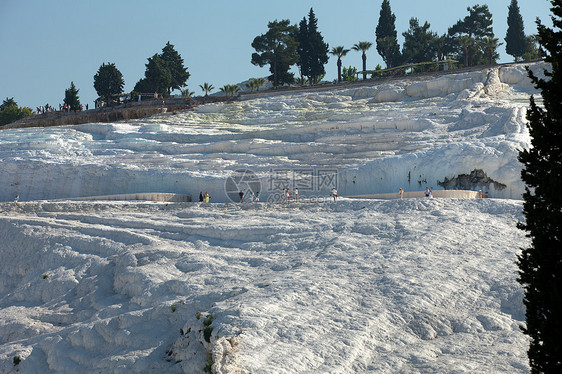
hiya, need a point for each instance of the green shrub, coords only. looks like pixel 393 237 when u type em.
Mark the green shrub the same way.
pixel 349 74
pixel 209 366
pixel 208 330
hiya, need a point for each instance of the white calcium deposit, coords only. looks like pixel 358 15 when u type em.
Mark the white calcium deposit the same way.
pixel 316 286
pixel 377 138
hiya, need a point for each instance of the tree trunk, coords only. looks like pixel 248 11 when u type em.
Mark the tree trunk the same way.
pixel 274 70
pixel 364 66
pixel 387 54
pixel 339 70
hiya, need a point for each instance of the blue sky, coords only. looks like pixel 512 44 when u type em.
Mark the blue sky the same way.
pixel 48 44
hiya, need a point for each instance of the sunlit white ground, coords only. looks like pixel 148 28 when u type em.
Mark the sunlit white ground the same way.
pixel 413 285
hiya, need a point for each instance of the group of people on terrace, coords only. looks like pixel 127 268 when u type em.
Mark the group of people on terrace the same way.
pixel 62 108
pixel 204 198
pixel 287 195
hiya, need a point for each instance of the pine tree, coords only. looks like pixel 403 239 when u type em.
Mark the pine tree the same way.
pixel 419 45
pixel 9 101
pixel 515 41
pixel 476 26
pixel 387 40
pixel 71 97
pixel 540 265
pixel 278 48
pixel 10 111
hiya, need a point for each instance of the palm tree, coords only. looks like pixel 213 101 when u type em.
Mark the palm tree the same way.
pixel 301 81
pixel 490 45
pixel 259 83
pixel 206 87
pixel 185 92
pixel 363 46
pixel 234 89
pixel 225 89
pixel 340 52
pixel 251 85
pixel 230 89
pixel 439 43
pixel 466 42
pixel 255 83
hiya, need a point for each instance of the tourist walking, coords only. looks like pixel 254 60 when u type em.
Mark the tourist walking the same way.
pixel 334 194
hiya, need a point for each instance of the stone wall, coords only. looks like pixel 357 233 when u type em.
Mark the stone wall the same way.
pixel 454 194
pixel 155 196
pixel 108 114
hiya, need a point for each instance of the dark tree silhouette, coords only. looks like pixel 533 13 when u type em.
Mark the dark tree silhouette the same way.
pixel 386 36
pixel 540 265
pixel 515 40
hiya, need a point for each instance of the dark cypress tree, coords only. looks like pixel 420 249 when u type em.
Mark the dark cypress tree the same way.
pixel 178 72
pixel 303 48
pixel 157 75
pixel 387 39
pixel 318 53
pixel 540 265
pixel 108 81
pixel 71 97
pixel 515 41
